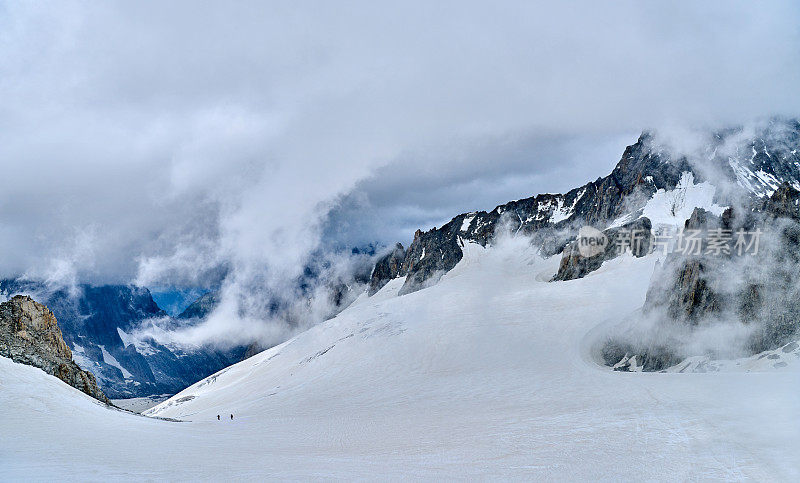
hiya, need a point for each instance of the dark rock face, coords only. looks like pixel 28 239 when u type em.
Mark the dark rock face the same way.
pixel 784 203
pixel 574 265
pixel 692 296
pixel 29 334
pixel 388 267
pixel 768 160
pixel 684 293
pixel 699 290
pixel 430 255
pixel 624 357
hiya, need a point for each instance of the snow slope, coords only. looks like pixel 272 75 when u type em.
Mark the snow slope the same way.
pixel 673 207
pixel 489 373
pixel 139 404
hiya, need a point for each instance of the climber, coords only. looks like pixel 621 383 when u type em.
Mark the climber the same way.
pixel 231 416
pixel 217 417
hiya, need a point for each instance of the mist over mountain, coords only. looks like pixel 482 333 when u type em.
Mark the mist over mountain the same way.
pixel 521 240
pixel 136 349
pixel 176 163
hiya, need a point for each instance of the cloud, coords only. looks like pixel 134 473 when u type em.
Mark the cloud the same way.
pixel 423 191
pixel 204 141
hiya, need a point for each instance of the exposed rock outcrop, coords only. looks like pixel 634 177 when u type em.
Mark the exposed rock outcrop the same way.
pixel 634 237
pixel 696 291
pixel 388 267
pixel 692 296
pixel 430 255
pixel 29 334
pixel 784 202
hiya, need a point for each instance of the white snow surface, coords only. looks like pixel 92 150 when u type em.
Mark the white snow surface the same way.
pixel 79 356
pixel 672 208
pixel 126 338
pixel 139 404
pixel 490 374
pixel 112 361
pixel 758 182
pixel 467 221
pixel 561 212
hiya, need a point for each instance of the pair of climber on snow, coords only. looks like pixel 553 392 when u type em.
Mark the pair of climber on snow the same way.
pixel 218 417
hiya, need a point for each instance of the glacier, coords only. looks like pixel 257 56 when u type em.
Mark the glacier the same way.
pixel 491 373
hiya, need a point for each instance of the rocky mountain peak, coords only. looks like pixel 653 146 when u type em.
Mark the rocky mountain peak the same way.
pixel 29 318
pixel 642 170
pixel 763 165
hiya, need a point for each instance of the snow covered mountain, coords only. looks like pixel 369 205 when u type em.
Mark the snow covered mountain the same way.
pixel 648 182
pixel 742 180
pixel 492 373
pixel 723 168
pixel 490 348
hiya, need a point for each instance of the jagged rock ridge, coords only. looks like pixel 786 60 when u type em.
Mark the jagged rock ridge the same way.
pixel 759 162
pixel 548 218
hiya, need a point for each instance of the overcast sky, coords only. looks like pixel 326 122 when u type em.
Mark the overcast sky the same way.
pixel 157 142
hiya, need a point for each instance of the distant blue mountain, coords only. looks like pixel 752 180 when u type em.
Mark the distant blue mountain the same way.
pixel 97 322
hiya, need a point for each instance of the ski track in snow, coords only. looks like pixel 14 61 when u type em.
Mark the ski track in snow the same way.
pixel 488 374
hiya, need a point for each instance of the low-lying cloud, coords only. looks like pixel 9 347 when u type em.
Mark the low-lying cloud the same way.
pixel 187 144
